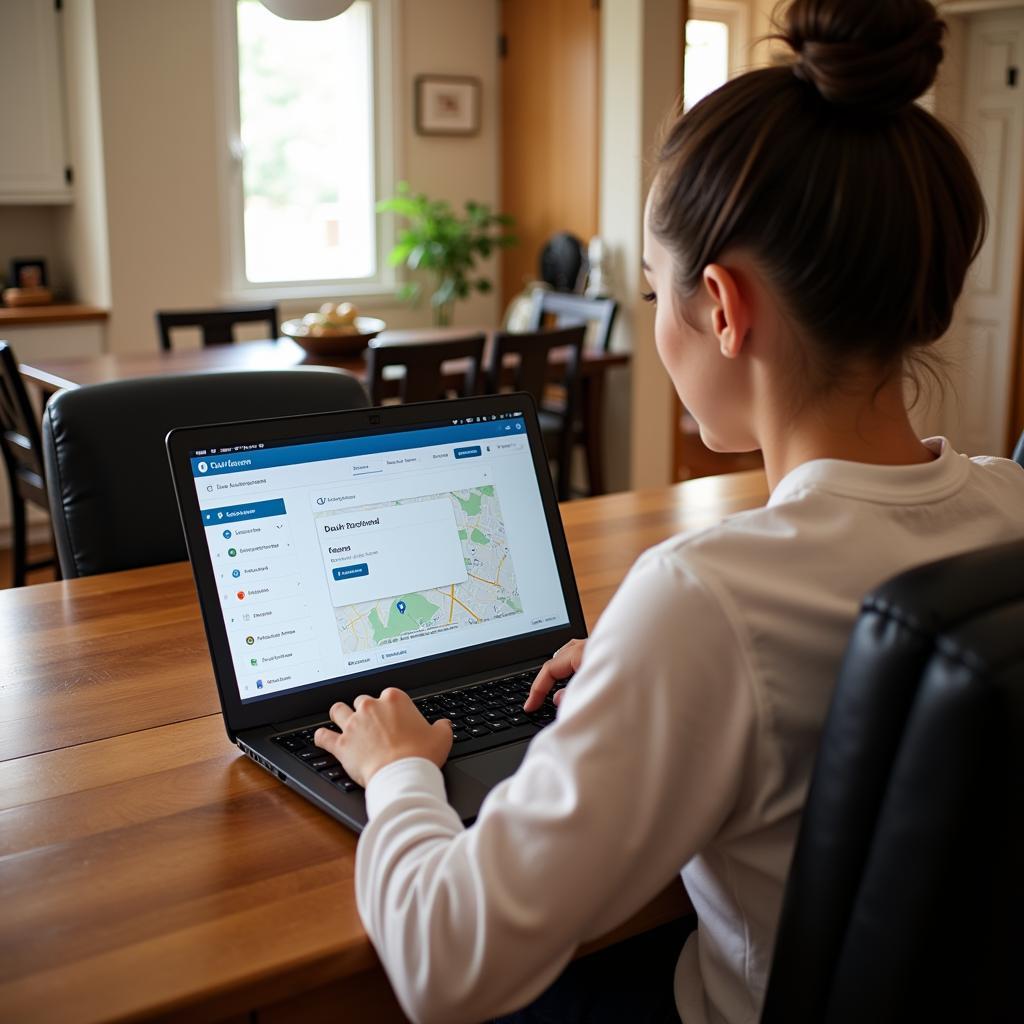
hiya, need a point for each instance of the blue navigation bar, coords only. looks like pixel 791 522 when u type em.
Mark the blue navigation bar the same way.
pixel 239 513
pixel 321 451
pixel 467 453
pixel 346 572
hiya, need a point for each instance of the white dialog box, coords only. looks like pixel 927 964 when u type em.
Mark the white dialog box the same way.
pixel 387 550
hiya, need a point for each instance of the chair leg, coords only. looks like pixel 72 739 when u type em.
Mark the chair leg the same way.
pixel 19 549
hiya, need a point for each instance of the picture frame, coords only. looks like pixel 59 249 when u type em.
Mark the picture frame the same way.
pixel 28 273
pixel 447 105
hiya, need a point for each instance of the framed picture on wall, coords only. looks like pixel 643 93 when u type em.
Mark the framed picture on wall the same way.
pixel 447 105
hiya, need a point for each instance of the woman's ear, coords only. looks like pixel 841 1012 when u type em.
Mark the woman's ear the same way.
pixel 730 309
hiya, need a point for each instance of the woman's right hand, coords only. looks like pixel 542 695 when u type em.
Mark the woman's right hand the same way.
pixel 562 664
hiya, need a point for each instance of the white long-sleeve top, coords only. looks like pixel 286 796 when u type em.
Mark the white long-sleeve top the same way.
pixel 684 743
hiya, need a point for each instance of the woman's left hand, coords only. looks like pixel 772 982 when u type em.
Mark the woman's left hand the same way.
pixel 378 730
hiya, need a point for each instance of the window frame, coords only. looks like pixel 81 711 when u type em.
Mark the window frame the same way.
pixel 735 15
pixel 386 115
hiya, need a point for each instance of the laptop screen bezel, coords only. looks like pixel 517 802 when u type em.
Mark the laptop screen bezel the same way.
pixel 490 657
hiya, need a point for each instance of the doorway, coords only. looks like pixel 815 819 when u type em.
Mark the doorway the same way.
pixel 986 339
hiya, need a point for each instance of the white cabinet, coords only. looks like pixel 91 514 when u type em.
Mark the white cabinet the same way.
pixel 33 157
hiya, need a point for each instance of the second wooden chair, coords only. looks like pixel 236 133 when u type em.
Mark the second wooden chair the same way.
pixel 424 360
pixel 217 325
pixel 522 361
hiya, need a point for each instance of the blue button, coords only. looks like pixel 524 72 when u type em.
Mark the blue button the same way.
pixel 345 572
pixel 467 453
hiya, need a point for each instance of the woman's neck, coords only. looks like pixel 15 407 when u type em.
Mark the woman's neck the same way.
pixel 856 424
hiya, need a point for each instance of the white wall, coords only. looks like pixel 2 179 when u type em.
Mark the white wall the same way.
pixel 157 67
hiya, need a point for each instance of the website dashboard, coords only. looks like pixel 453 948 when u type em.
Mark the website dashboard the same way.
pixel 334 558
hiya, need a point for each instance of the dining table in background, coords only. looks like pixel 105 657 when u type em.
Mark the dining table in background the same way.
pixel 50 375
pixel 150 871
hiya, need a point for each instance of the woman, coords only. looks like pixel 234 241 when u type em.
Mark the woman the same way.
pixel 807 236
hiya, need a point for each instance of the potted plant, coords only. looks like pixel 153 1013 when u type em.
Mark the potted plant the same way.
pixel 438 240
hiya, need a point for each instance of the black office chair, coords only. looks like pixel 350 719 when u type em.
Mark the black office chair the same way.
pixel 217 325
pixel 424 361
pixel 111 497
pixel 522 359
pixel 905 899
pixel 22 455
pixel 1018 452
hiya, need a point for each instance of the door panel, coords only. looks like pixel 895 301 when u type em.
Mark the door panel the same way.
pixel 993 129
pixel 550 117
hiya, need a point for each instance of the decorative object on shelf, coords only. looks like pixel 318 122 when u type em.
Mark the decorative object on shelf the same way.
pixel 563 263
pixel 448 246
pixel 447 105
pixel 333 331
pixel 27 284
pixel 28 273
pixel 307 10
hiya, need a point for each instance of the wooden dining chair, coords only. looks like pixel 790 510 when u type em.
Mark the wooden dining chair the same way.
pixel 597 315
pixel 217 325
pixel 565 309
pixel 21 446
pixel 424 362
pixel 522 362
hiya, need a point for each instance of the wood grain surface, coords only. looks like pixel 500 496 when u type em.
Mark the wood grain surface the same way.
pixel 147 869
pixel 67 312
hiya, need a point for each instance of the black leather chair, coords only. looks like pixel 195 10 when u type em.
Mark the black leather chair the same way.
pixel 905 900
pixel 111 497
pixel 528 368
pixel 217 325
pixel 423 360
pixel 23 458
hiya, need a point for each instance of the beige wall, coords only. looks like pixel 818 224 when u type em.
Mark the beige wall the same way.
pixel 641 75
pixel 157 66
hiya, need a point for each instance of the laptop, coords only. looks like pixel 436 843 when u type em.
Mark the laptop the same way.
pixel 415 546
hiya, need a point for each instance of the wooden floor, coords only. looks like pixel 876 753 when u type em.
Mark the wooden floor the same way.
pixel 36 552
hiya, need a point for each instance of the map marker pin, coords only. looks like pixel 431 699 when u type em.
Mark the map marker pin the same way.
pixel 401 607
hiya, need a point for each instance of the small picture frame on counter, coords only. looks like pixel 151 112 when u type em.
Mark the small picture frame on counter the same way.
pixel 28 273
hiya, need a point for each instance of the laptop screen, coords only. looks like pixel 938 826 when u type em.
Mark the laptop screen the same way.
pixel 336 557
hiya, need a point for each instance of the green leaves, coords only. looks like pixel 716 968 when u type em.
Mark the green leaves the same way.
pixel 438 240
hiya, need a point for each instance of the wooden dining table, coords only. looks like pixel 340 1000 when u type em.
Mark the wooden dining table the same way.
pixel 150 871
pixel 54 374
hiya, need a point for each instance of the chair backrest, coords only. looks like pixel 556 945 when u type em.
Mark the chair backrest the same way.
pixel 217 325
pixel 19 432
pixel 906 892
pixel 528 370
pixel 111 496
pixel 1018 452
pixel 558 309
pixel 424 360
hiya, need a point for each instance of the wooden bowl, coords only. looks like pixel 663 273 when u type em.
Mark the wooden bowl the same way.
pixel 342 343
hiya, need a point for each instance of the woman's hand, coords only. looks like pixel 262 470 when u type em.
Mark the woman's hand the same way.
pixel 380 730
pixel 562 664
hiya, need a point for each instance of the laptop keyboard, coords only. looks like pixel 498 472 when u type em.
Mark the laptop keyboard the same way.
pixel 483 716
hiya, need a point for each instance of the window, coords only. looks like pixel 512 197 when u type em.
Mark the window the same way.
pixel 716 46
pixel 307 162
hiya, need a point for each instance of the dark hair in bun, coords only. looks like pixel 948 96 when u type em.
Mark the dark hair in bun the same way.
pixel 859 206
pixel 878 56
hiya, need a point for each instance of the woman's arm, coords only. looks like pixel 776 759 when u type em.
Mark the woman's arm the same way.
pixel 638 772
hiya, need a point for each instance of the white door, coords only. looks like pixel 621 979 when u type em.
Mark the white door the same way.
pixel 993 129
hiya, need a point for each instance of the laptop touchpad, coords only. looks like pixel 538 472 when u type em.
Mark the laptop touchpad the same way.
pixel 492 766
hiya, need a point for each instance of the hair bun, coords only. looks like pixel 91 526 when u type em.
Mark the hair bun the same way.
pixel 877 55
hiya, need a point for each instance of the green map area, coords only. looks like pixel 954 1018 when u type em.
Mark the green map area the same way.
pixel 488 593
